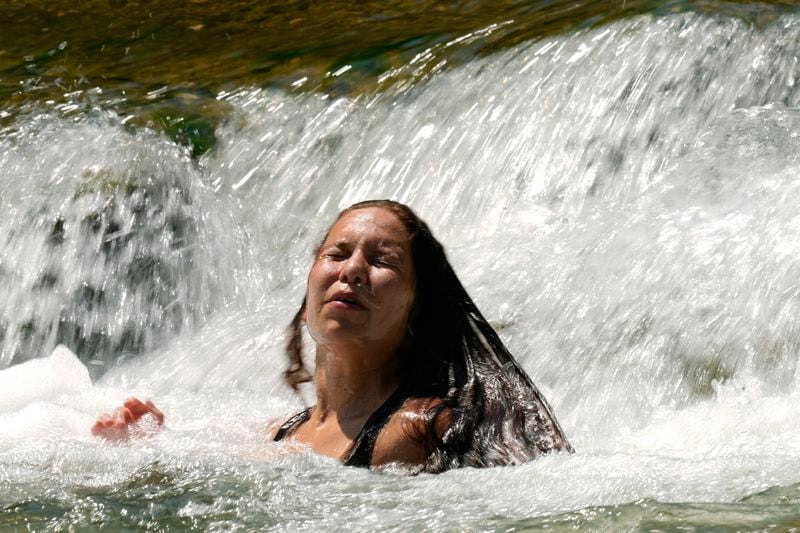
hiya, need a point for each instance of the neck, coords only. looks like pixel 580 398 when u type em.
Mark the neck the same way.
pixel 354 383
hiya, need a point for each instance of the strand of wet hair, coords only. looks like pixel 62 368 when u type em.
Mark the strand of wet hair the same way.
pixel 296 373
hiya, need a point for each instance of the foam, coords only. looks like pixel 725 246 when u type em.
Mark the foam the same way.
pixel 42 380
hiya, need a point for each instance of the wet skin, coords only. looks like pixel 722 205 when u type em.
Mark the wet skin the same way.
pixel 361 286
pixel 360 294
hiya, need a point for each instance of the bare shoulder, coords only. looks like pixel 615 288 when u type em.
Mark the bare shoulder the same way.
pixel 414 413
pixel 407 438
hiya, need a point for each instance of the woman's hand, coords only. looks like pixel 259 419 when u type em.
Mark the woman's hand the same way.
pixel 130 420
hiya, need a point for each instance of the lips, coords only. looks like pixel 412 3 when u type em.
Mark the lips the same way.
pixel 346 300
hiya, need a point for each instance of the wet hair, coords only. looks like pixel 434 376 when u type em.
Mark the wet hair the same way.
pixel 495 414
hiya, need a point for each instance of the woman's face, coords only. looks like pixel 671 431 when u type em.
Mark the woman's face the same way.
pixel 361 286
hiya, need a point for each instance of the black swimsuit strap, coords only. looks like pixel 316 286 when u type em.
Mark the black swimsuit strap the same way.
pixel 360 453
pixel 290 425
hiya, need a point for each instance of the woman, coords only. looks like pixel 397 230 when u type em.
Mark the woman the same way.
pixel 407 371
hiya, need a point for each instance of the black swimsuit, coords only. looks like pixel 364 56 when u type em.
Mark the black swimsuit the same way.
pixel 360 453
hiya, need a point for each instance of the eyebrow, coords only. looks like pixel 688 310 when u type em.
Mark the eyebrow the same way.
pixel 390 244
pixel 381 243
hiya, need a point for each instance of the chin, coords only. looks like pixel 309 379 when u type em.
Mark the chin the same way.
pixel 338 332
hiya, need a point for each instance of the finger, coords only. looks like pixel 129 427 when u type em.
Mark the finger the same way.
pixel 109 428
pixel 123 416
pixel 103 420
pixel 156 412
pixel 136 406
pixel 139 409
pixel 101 424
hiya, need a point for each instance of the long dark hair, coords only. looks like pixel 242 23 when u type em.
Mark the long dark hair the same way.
pixel 497 416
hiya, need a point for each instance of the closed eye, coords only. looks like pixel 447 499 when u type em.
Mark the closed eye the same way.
pixel 386 262
pixel 335 253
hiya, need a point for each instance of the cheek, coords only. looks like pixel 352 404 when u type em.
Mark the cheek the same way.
pixel 319 279
pixel 399 294
pixel 315 290
pixel 314 296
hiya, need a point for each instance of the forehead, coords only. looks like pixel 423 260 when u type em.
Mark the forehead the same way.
pixel 369 224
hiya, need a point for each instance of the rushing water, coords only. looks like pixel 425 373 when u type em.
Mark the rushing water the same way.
pixel 619 196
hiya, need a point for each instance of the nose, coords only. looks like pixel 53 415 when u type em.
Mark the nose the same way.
pixel 355 270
